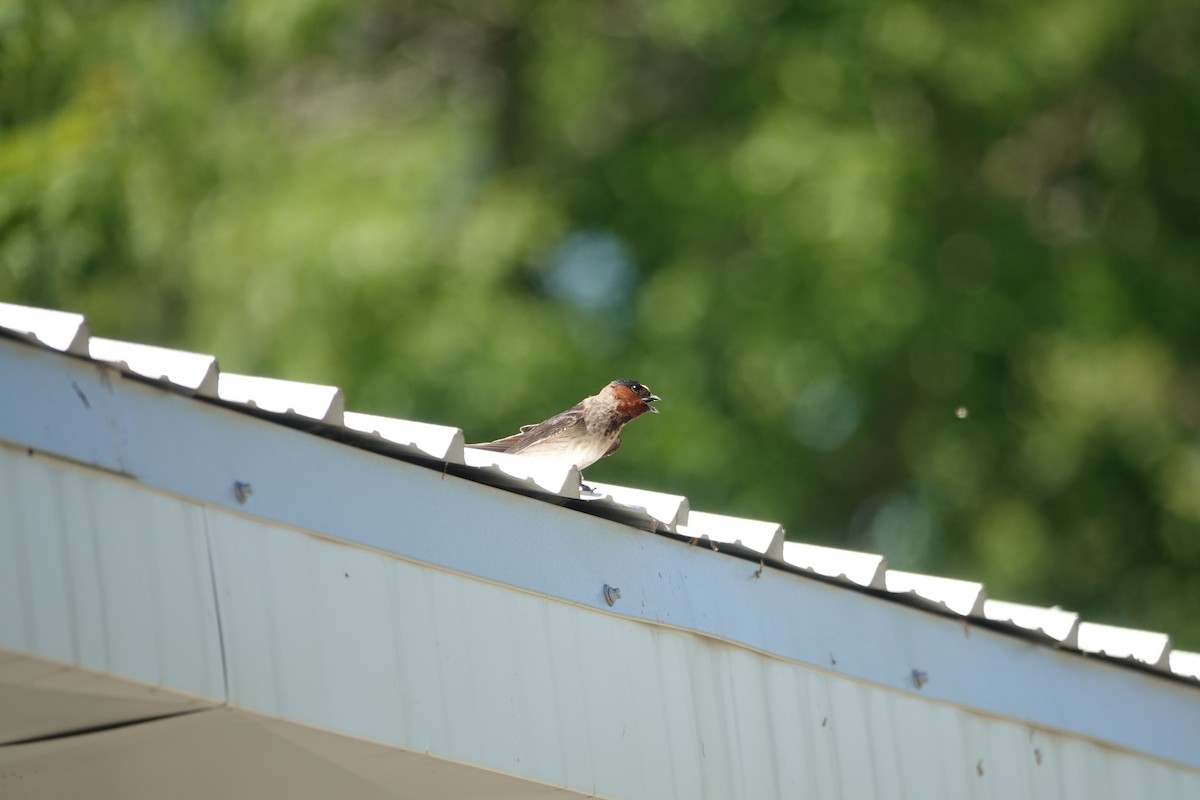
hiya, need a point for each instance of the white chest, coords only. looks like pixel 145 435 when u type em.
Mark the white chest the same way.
pixel 582 452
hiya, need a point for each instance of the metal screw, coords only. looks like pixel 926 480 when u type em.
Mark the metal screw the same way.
pixel 919 678
pixel 611 594
pixel 242 491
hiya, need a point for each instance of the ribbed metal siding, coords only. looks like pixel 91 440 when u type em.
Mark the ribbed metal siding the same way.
pixel 99 572
pixel 367 644
pixel 345 639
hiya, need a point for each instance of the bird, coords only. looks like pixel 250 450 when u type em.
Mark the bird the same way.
pixel 585 432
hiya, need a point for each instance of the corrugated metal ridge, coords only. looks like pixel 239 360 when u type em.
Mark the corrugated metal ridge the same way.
pixel 57 330
pixel 762 538
pixel 1147 648
pixel 524 474
pixel 563 484
pixel 291 399
pixel 670 510
pixel 321 409
pixel 867 570
pixel 421 439
pixel 193 372
pixel 962 598
pixel 1055 623
pixel 1185 664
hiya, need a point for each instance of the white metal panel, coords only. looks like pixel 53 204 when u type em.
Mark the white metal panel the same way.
pixel 440 442
pixel 1145 647
pixel 58 330
pixel 195 372
pixel 426 440
pixel 671 510
pixel 88 443
pixel 1062 626
pixel 964 598
pixel 862 569
pixel 528 474
pixel 365 644
pixel 290 398
pixel 765 538
pixel 393 652
pixel 105 575
pixel 1185 664
pixel 197 450
pixel 443 650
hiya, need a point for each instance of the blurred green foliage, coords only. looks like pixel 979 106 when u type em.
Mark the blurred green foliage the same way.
pixel 916 277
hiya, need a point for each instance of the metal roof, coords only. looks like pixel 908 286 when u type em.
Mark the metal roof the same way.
pixel 320 410
pixel 141 627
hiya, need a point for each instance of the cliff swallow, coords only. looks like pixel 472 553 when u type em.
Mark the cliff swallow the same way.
pixel 585 432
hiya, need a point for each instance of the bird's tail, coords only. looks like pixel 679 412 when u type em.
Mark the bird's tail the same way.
pixel 500 445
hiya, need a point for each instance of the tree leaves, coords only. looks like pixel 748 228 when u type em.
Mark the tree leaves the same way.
pixel 818 233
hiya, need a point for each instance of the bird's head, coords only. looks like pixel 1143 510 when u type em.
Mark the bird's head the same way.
pixel 632 397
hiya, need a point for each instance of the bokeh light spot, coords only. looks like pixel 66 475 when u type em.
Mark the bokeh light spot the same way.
pixel 593 270
pixel 825 415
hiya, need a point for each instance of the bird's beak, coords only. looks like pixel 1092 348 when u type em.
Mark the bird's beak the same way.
pixel 652 398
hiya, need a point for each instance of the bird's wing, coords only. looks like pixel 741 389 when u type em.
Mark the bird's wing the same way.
pixel 562 424
pixel 615 445
pixel 532 434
